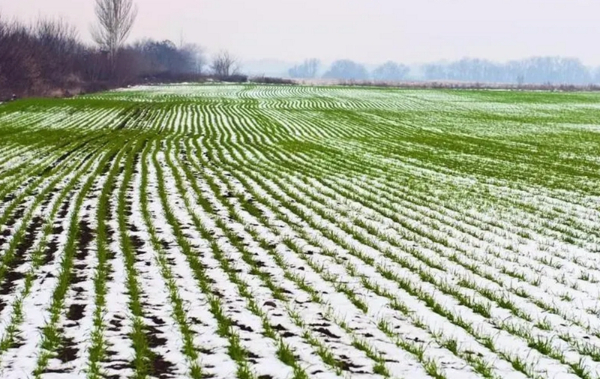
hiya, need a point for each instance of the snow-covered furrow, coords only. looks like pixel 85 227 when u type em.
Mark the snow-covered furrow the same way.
pixel 157 308
pixel 581 256
pixel 13 158
pixel 314 312
pixel 15 190
pixel 248 325
pixel 528 309
pixel 117 316
pixel 585 300
pixel 20 208
pixel 14 279
pixel 358 190
pixel 21 359
pixel 447 358
pixel 339 341
pixel 45 215
pixel 213 359
pixel 507 255
pixel 76 324
pixel 526 194
pixel 334 229
pixel 367 324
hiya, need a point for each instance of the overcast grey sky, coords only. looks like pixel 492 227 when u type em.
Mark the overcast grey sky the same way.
pixel 369 31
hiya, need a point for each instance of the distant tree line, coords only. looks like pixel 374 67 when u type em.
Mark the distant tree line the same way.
pixel 345 69
pixel 43 55
pixel 536 70
pixel 48 57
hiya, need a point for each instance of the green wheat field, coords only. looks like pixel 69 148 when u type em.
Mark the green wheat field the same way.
pixel 273 232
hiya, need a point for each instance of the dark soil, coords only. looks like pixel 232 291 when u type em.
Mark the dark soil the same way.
pixel 18 214
pixel 115 325
pixel 12 275
pixel 75 312
pixel 64 156
pixel 86 236
pixel 64 210
pixel 9 282
pixel 161 368
pixel 157 320
pixel 326 332
pixel 243 327
pixel 137 244
pixel 152 336
pixel 110 233
pixel 346 364
pixel 67 351
pixel 50 252
pixel 108 165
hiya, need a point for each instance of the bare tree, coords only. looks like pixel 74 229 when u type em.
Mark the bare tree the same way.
pixel 195 57
pixel 347 70
pixel 312 67
pixel 224 64
pixel 307 70
pixel 115 21
pixel 55 33
pixel 58 48
pixel 391 71
pixel 19 64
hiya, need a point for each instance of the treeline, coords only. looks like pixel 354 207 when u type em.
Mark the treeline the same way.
pixel 48 58
pixel 537 70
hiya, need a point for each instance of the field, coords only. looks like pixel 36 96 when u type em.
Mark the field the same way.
pixel 226 231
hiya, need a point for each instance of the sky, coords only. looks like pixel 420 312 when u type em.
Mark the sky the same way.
pixel 368 31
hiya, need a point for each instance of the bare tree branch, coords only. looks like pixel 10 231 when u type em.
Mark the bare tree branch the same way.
pixel 224 64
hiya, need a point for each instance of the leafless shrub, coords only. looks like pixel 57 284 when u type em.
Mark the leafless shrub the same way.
pixel 19 68
pixel 59 50
pixel 270 80
pixel 225 65
pixel 237 78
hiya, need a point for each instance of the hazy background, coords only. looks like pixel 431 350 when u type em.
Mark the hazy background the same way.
pixel 368 31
